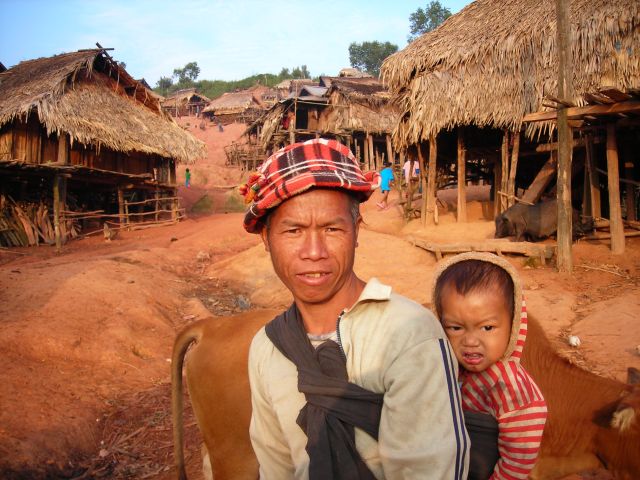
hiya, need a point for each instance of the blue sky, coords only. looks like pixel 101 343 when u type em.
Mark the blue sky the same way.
pixel 230 39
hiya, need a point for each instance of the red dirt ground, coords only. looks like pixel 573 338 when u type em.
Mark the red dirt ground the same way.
pixel 86 334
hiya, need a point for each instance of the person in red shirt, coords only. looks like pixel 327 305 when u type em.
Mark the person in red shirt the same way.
pixel 478 299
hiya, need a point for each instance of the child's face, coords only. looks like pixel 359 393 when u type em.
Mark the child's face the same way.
pixel 478 326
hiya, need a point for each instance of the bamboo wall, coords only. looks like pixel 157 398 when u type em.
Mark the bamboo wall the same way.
pixel 29 142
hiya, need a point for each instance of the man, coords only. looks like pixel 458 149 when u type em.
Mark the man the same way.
pixel 352 381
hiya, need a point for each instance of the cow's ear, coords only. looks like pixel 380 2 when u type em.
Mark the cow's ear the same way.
pixel 633 376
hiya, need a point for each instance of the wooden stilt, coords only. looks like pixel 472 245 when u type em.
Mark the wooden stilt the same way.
pixel 56 212
pixel 410 184
pixel 565 138
pixel 399 180
pixel 613 181
pixel 629 189
pixel 462 177
pixel 372 159
pixel 121 208
pixel 504 173
pixel 365 147
pixel 511 187
pixel 431 181
pixel 422 179
pixel 156 196
pixel 390 156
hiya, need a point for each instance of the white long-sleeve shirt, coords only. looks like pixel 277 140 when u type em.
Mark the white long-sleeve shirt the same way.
pixel 393 346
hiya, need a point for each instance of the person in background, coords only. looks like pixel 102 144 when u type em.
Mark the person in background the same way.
pixel 386 179
pixel 187 178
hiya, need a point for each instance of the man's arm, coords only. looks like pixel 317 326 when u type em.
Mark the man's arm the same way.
pixel 267 438
pixel 422 433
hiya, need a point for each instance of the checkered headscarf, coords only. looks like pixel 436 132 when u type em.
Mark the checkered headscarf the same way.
pixel 297 168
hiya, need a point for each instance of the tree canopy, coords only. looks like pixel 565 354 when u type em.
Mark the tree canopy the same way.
pixel 423 21
pixel 368 56
pixel 187 78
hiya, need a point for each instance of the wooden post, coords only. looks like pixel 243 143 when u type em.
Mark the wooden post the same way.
pixel 372 157
pixel 431 181
pixel 504 172
pixel 365 147
pixel 156 196
pixel 399 177
pixel 511 187
pixel 409 205
pixel 121 207
pixel 422 179
pixel 63 149
pixel 565 138
pixel 613 180
pixel 56 212
pixel 390 157
pixel 462 177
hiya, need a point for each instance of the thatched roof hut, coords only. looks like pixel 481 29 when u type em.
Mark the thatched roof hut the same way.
pixel 359 104
pixel 95 102
pixel 234 106
pixel 496 60
pixel 80 123
pixel 185 102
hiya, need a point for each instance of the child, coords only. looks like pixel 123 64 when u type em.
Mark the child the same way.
pixel 478 299
pixel 187 178
pixel 386 179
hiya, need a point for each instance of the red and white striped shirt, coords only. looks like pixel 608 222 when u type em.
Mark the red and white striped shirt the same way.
pixel 507 392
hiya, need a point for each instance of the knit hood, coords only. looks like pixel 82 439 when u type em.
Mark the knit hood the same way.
pixel 519 320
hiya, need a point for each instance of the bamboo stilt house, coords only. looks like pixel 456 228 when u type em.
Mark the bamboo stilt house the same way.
pixel 79 134
pixel 243 107
pixel 465 88
pixel 185 102
pixel 357 111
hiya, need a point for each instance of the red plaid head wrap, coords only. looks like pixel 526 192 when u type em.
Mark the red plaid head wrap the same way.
pixel 293 170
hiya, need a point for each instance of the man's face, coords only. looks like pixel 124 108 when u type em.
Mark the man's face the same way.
pixel 478 326
pixel 312 238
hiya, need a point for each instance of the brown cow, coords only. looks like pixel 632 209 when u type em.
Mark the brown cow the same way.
pixel 584 429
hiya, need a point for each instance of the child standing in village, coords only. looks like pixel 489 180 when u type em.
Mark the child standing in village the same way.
pixel 187 178
pixel 386 179
pixel 478 299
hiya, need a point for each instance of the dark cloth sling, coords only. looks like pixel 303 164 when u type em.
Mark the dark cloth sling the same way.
pixel 483 433
pixel 334 405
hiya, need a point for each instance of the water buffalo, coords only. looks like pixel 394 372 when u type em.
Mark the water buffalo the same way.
pixel 593 421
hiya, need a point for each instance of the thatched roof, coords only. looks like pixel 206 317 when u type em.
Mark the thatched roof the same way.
pixel 232 103
pixel 95 101
pixel 184 97
pixel 495 61
pixel 360 104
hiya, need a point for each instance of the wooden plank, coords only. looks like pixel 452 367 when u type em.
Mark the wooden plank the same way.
pixel 615 211
pixel 63 149
pixel 431 181
pixel 542 180
pixel 594 179
pixel 530 249
pixel 574 113
pixel 615 94
pixel 462 178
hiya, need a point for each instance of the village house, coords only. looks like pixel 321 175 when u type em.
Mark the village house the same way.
pixel 481 94
pixel 83 145
pixel 185 102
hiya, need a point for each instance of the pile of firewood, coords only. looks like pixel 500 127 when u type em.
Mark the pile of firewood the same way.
pixel 24 224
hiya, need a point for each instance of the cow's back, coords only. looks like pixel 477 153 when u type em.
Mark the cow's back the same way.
pixel 217 377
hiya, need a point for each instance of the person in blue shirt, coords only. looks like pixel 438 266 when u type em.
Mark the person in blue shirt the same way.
pixel 386 177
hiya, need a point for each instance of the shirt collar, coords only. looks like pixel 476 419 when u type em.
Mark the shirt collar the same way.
pixel 373 290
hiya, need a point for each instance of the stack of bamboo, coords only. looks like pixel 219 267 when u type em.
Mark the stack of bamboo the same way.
pixel 24 224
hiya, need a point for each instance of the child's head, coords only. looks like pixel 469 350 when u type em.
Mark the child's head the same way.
pixel 474 300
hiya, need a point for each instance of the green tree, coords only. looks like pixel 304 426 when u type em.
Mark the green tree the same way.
pixel 368 56
pixel 300 72
pixel 163 85
pixel 188 74
pixel 423 21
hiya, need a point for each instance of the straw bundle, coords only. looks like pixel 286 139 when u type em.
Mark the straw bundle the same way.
pixel 494 61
